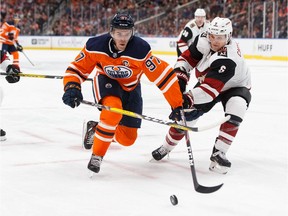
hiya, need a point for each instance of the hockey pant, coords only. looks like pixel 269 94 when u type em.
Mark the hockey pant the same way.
pixel 108 129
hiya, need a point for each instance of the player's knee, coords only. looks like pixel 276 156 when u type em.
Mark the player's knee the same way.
pixel 108 117
pixel 126 136
pixel 236 106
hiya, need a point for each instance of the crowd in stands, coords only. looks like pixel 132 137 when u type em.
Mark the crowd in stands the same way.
pixel 162 18
pixel 33 13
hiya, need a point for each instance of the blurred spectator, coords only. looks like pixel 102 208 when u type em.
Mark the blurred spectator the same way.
pixel 283 32
pixel 162 18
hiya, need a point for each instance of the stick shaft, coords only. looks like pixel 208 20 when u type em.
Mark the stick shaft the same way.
pixel 27 58
pixel 152 119
pixel 40 76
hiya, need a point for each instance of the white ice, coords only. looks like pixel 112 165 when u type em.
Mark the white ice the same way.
pixel 43 167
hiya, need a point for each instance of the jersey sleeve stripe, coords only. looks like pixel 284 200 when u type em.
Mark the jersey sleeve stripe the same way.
pixel 77 72
pixel 162 75
pixel 175 79
pixel 96 89
pixel 209 90
pixel 165 80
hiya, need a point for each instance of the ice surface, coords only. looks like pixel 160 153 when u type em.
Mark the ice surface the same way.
pixel 43 166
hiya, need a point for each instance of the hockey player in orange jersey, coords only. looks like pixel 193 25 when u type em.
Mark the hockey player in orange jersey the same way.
pixel 9 39
pixel 120 59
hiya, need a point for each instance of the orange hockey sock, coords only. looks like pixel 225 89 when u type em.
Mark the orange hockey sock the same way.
pixel 15 58
pixel 106 128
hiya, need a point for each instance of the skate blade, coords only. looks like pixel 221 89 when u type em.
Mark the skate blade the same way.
pixel 3 138
pixel 152 160
pixel 91 175
pixel 84 128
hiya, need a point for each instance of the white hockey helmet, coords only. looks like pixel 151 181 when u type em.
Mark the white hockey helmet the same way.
pixel 221 26
pixel 200 12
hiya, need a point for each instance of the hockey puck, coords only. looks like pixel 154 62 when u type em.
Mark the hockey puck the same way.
pixel 173 199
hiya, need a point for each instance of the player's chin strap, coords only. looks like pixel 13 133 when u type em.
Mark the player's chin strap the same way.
pixel 155 120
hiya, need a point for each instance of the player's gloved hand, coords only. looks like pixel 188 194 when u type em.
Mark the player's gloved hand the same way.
pixel 176 114
pixel 183 78
pixel 188 101
pixel 12 73
pixel 72 96
pixel 19 47
pixel 11 36
pixel 194 114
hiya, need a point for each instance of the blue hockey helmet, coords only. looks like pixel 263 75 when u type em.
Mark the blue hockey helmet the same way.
pixel 122 21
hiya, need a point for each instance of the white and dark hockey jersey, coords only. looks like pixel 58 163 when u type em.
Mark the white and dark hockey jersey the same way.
pixel 188 35
pixel 215 71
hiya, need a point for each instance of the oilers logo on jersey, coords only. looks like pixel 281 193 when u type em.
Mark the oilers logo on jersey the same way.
pixel 116 72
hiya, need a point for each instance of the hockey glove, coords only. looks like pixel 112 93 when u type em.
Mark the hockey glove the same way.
pixel 183 78
pixel 19 47
pixel 188 101
pixel 194 114
pixel 176 114
pixel 72 96
pixel 188 104
pixel 12 74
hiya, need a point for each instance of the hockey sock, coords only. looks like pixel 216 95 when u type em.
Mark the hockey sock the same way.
pixel 172 138
pixel 228 131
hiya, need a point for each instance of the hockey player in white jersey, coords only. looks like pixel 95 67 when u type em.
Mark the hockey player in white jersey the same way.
pixel 193 28
pixel 223 76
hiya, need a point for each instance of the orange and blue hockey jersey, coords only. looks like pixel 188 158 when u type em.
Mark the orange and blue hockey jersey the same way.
pixel 9 34
pixel 126 67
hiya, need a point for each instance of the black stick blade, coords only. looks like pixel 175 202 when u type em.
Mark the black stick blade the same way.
pixel 204 189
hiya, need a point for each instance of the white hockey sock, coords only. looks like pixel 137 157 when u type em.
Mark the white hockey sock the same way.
pixel 172 138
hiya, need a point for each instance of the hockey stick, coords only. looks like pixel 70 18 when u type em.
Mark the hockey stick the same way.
pixel 27 58
pixel 152 119
pixel 199 188
pixel 40 76
pixel 22 51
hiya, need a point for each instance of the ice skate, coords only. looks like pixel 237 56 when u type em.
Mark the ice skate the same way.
pixel 2 135
pixel 160 153
pixel 219 162
pixel 95 163
pixel 88 134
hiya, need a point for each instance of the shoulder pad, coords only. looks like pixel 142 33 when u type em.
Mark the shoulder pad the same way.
pixel 137 48
pixel 10 22
pixel 98 43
